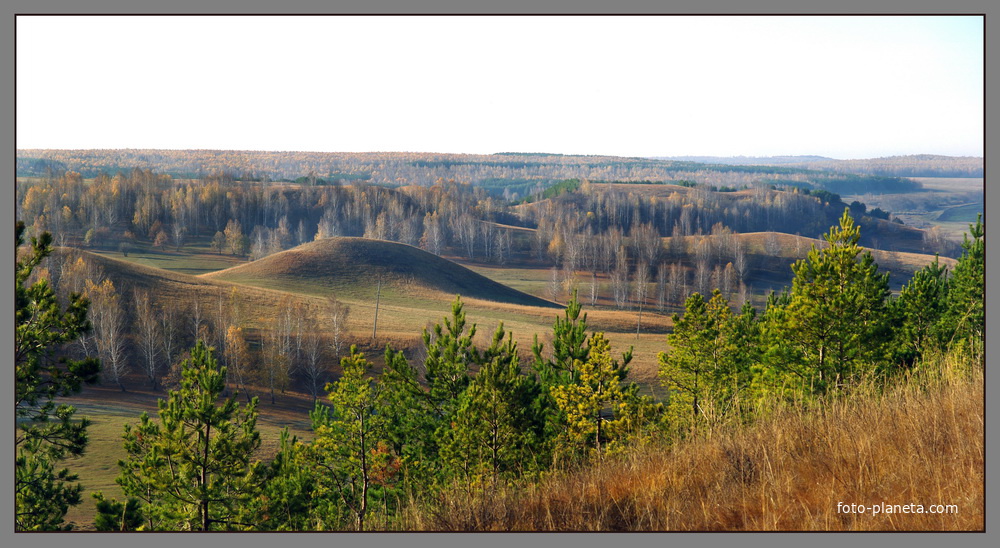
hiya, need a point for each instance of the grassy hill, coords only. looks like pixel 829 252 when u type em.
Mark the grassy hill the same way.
pixel 350 266
pixel 416 294
pixel 175 287
pixel 920 442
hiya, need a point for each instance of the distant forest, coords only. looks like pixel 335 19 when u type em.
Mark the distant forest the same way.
pixel 917 165
pixel 683 230
pixel 579 208
pixel 513 176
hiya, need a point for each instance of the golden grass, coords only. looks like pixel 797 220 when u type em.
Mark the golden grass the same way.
pixel 919 443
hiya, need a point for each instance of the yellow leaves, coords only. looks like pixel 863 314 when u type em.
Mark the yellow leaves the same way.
pixel 100 292
pixel 597 388
pixel 34 201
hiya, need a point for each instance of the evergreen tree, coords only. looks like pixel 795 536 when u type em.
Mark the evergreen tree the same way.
pixel 113 515
pixel 46 432
pixel 833 329
pixel 450 354
pixel 569 346
pixel 495 431
pixel 287 501
pixel 700 369
pixel 351 447
pixel 596 406
pixel 744 335
pixel 410 419
pixel 193 469
pixel 916 312
pixel 963 324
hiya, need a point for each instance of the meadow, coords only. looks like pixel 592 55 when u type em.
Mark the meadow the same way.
pixel 948 203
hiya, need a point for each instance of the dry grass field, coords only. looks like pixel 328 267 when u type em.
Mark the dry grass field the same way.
pixel 920 443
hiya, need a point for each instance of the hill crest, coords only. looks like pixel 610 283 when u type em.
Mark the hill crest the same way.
pixel 345 263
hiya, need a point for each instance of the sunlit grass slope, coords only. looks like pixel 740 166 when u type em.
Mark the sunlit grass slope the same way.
pixel 921 443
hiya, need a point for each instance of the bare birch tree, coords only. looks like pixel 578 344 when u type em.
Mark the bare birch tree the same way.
pixel 619 280
pixel 148 334
pixel 661 288
pixel 338 314
pixel 313 365
pixel 108 318
pixel 640 288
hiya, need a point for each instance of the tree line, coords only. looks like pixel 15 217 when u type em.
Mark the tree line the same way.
pixel 582 228
pixel 422 169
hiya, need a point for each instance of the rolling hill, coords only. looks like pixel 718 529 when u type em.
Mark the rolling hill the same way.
pixel 352 265
pixel 178 289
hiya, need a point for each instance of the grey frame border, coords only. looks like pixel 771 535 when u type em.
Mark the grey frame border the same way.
pixel 12 7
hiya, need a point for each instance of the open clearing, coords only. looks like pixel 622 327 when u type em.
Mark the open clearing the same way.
pixel 949 203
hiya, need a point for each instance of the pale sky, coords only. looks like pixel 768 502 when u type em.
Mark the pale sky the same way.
pixel 844 87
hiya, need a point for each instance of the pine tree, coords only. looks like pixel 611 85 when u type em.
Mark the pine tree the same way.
pixel 495 429
pixel 834 327
pixel 700 370
pixel 410 417
pixel 46 432
pixel 350 448
pixel 744 337
pixel 193 468
pixel 597 404
pixel 916 311
pixel 450 354
pixel 963 323
pixel 287 501
pixel 569 346
pixel 113 515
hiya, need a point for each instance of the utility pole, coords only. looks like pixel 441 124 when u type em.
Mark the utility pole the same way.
pixel 378 296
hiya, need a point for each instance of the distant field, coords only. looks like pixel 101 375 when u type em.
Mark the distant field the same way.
pixel 948 203
pixel 419 287
pixel 965 213
pixel 407 304
pixel 195 257
pixel 184 262
pixel 952 184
